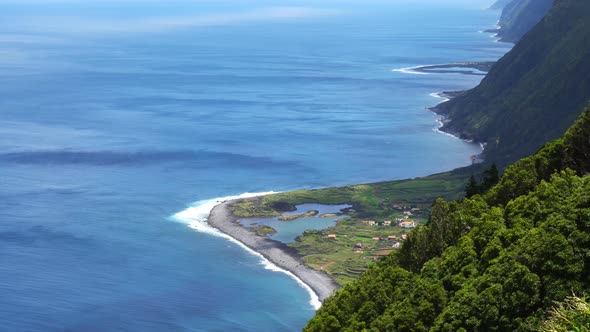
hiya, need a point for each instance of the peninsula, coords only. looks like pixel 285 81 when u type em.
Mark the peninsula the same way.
pixel 280 254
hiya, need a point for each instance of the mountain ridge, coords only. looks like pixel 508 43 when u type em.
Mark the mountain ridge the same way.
pixel 532 94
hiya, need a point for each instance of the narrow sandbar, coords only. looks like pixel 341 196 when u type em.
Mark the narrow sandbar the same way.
pixel 222 218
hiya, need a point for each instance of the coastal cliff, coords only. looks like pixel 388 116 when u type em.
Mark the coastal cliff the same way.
pixel 531 95
pixel 519 16
pixel 500 4
pixel 492 262
pixel 500 260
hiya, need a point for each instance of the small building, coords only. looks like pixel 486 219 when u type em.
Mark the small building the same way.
pixel 331 236
pixel 387 223
pixel 396 245
pixel 359 251
pixel 369 222
pixel 392 237
pixel 359 245
pixel 404 237
pixel 415 210
pixel 407 224
pixel 376 239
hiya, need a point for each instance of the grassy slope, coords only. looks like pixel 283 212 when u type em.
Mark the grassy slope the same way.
pixel 375 200
pixel 519 16
pixel 534 93
pixel 491 263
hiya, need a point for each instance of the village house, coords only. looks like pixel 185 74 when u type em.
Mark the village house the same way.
pixel 407 224
pixel 392 237
pixel 331 236
pixel 376 239
pixel 396 245
pixel 387 223
pixel 369 222
pixel 404 237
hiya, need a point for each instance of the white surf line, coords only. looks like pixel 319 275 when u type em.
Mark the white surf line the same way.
pixel 411 70
pixel 439 95
pixel 196 216
pixel 439 120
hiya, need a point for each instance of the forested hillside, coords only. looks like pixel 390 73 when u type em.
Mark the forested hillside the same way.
pixel 519 16
pixel 493 262
pixel 534 93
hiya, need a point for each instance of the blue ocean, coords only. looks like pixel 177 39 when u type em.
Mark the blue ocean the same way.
pixel 123 122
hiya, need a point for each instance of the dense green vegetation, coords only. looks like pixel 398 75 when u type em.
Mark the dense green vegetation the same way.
pixel 571 315
pixel 354 249
pixel 519 16
pixel 493 262
pixel 530 97
pixel 534 93
pixel 489 178
pixel 342 258
pixel 369 200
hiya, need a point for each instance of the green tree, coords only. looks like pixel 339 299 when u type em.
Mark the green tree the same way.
pixel 490 177
pixel 472 187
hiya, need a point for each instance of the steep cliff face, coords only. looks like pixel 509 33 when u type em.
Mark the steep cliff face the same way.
pixel 494 262
pixel 498 261
pixel 534 93
pixel 519 16
pixel 500 4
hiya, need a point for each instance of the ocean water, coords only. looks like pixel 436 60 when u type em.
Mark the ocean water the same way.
pixel 123 122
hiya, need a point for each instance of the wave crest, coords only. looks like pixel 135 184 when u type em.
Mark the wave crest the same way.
pixel 195 216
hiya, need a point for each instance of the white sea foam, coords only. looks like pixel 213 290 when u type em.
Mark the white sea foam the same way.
pixel 440 124
pixel 437 130
pixel 438 95
pixel 195 216
pixel 411 70
pixel 439 121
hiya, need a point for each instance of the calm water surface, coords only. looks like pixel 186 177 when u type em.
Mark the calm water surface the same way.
pixel 115 116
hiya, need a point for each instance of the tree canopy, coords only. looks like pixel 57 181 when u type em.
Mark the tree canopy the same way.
pixel 492 262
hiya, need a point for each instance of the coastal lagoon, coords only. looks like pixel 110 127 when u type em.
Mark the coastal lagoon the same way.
pixel 288 230
pixel 122 123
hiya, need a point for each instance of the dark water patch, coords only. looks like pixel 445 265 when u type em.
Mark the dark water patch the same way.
pixel 115 158
pixel 41 235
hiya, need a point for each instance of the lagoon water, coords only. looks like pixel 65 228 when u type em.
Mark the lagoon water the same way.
pixel 288 231
pixel 116 115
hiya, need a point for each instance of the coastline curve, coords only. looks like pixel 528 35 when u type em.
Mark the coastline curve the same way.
pixel 215 218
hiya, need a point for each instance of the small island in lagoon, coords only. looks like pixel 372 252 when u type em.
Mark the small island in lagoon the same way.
pixel 337 239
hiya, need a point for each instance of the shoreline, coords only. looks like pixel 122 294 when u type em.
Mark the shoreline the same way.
pixel 471 68
pixel 442 120
pixel 278 253
pixel 286 258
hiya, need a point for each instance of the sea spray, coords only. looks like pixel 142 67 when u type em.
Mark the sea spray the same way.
pixel 440 121
pixel 410 70
pixel 439 95
pixel 195 216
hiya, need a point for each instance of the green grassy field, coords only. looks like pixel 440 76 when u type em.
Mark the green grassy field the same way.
pixel 351 252
pixel 342 257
